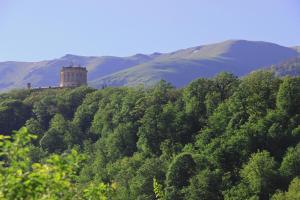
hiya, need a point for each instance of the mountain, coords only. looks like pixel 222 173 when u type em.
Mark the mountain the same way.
pixel 290 67
pixel 46 73
pixel 297 48
pixel 180 67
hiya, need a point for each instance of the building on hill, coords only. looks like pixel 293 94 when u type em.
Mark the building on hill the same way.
pixel 69 77
pixel 73 76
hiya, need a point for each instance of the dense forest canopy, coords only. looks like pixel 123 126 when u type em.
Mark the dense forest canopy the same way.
pixel 220 138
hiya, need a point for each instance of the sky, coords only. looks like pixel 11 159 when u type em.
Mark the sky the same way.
pixel 33 30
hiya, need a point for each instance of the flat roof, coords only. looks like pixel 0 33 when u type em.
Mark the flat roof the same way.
pixel 71 67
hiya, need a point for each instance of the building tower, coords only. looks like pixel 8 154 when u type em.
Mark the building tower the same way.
pixel 73 76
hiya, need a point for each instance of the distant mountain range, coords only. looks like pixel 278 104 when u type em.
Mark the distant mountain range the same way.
pixel 290 67
pixel 179 67
pixel 297 48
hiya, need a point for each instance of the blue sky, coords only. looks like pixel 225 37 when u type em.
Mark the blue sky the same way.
pixel 32 30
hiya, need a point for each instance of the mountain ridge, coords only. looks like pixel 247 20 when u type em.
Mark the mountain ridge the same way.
pixel 290 67
pixel 178 67
pixel 297 48
pixel 202 61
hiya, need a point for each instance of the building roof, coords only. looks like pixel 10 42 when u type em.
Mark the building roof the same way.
pixel 72 67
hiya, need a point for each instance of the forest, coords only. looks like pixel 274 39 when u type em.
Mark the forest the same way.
pixel 220 138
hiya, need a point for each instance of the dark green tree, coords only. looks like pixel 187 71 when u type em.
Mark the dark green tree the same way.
pixel 290 165
pixel 178 175
pixel 260 175
pixel 205 185
pixel 13 115
pixel 288 98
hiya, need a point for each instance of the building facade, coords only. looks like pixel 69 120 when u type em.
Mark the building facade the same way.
pixel 73 76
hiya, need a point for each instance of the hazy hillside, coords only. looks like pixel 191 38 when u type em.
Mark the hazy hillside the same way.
pixel 290 67
pixel 46 73
pixel 237 56
pixel 180 67
pixel 297 48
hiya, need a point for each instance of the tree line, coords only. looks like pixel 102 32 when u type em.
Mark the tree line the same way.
pixel 219 138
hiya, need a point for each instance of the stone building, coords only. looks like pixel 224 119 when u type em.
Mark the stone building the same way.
pixel 73 76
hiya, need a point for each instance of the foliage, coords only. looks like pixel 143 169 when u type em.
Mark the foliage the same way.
pixel 158 190
pixel 205 185
pixel 292 194
pixel 219 138
pixel 54 178
pixel 290 165
pixel 288 96
pixel 13 114
pixel 260 174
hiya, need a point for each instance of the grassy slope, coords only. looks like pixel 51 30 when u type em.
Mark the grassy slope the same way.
pixel 180 67
pixel 46 73
pixel 237 56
